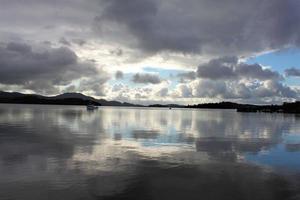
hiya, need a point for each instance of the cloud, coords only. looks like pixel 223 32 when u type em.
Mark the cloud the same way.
pixel 226 78
pixel 187 76
pixel 221 68
pixel 141 94
pixel 41 69
pixel 236 90
pixel 51 21
pixel 94 85
pixel 119 75
pixel 275 89
pixel 229 27
pixel 79 41
pixel 123 93
pixel 184 91
pixel 292 72
pixel 146 78
pixel 132 34
pixel 229 68
pixel 163 92
pixel 117 52
pixel 64 41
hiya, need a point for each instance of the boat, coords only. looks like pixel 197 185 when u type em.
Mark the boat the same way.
pixel 91 107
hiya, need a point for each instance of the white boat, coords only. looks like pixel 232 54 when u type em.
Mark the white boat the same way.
pixel 91 107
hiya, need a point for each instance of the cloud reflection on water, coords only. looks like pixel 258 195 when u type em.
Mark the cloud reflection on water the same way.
pixel 120 152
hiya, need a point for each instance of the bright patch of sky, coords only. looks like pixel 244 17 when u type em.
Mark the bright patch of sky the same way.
pixel 164 74
pixel 280 61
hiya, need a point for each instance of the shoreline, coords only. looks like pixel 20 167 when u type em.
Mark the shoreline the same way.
pixel 286 108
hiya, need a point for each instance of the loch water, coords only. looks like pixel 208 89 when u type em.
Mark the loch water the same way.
pixel 70 153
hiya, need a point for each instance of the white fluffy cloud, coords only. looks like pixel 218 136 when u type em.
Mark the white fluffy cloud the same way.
pixel 241 90
pixel 228 79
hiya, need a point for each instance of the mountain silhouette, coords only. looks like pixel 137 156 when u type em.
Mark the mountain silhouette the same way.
pixel 61 99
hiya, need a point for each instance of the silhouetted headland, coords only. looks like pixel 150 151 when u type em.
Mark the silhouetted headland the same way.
pixel 80 99
pixel 62 99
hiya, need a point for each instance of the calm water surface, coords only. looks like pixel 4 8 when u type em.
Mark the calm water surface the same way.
pixel 67 152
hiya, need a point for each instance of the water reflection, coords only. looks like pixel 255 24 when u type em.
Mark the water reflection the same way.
pixel 66 152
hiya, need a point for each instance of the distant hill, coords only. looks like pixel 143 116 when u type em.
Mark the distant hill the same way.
pixel 62 99
pixel 103 102
pixel 73 96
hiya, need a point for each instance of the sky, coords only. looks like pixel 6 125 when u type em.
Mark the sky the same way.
pixel 153 51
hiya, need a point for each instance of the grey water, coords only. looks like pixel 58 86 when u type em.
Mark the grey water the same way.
pixel 67 152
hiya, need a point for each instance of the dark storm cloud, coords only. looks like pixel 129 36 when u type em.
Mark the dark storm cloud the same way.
pixel 40 70
pixel 230 68
pixel 292 72
pixel 64 41
pixel 146 78
pixel 222 26
pixel 256 71
pixel 79 41
pixel 221 68
pixel 76 41
pixel 49 14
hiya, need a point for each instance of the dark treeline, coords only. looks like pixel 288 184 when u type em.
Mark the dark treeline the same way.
pixel 221 105
pixel 284 108
pixel 167 106
pixel 293 107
